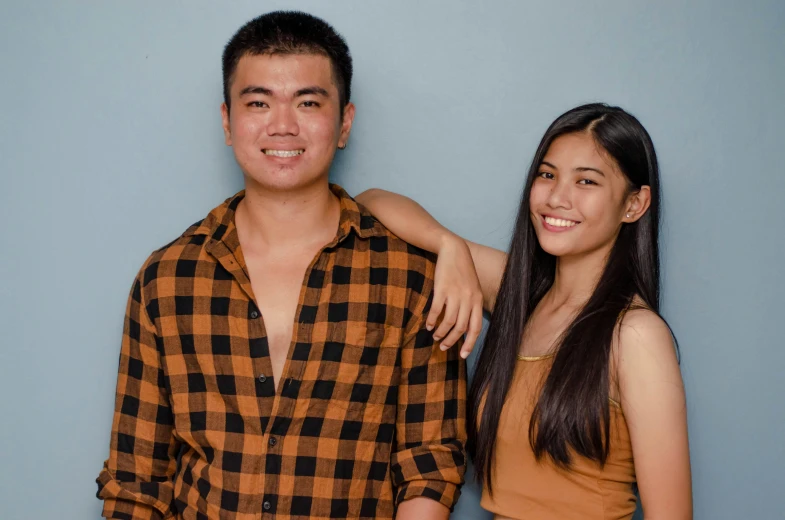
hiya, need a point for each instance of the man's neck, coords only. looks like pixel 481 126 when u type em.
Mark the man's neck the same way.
pixel 287 219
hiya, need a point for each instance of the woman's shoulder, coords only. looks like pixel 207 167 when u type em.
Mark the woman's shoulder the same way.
pixel 644 340
pixel 640 320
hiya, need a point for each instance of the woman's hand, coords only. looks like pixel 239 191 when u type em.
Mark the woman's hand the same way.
pixel 457 296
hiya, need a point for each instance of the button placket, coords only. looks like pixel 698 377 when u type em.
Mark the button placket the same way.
pixel 293 371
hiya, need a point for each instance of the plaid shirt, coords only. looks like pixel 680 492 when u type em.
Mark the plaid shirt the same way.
pixel 370 412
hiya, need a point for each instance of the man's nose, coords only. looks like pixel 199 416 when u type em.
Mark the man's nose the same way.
pixel 283 121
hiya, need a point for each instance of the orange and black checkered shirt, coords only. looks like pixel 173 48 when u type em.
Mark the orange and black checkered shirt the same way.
pixel 370 411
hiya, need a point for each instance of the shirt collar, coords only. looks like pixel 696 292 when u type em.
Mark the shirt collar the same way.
pixel 219 224
pixel 355 217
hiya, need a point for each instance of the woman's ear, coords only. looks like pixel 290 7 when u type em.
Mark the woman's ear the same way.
pixel 637 204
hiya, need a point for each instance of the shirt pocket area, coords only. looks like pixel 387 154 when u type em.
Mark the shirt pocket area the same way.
pixel 357 368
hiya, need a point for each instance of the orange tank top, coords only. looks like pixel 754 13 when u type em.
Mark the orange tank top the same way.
pixel 524 488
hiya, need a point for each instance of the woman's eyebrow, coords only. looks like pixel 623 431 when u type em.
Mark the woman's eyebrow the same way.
pixel 588 169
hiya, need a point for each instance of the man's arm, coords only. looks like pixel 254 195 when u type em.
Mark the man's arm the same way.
pixel 136 482
pixel 419 508
pixel 428 460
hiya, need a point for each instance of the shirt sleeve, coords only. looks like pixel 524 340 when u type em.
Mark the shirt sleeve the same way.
pixel 136 481
pixel 429 458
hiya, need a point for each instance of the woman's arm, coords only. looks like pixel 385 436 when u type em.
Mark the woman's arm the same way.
pixel 652 398
pixel 490 264
pixel 467 274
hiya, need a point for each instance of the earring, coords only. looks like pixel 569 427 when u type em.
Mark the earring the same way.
pixel 342 147
pixel 628 215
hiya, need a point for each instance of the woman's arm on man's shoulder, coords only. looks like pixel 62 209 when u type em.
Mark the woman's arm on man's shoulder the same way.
pixel 467 274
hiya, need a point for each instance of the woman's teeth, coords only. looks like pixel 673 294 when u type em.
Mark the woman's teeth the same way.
pixel 557 222
pixel 283 153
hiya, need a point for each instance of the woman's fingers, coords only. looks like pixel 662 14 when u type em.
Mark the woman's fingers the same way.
pixel 473 332
pixel 457 299
pixel 450 315
pixel 437 306
pixel 460 326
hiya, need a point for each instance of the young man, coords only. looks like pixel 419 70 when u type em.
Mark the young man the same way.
pixel 275 360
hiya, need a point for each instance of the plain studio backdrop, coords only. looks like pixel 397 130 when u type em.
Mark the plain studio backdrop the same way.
pixel 111 145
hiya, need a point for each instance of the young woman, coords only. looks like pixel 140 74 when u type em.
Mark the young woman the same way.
pixel 577 395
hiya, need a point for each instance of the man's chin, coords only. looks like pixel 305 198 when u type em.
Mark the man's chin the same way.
pixel 283 181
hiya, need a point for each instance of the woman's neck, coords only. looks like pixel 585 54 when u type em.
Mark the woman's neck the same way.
pixel 575 278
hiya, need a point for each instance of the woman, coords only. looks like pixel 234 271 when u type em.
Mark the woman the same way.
pixel 577 395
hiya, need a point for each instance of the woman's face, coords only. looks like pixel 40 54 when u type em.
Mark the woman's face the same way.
pixel 580 198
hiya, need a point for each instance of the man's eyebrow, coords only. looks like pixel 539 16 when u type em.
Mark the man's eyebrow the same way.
pixel 309 91
pixel 255 89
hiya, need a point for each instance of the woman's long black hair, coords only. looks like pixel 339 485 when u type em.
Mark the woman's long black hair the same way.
pixel 573 408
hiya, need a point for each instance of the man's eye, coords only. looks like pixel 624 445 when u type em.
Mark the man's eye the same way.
pixel 309 104
pixel 257 104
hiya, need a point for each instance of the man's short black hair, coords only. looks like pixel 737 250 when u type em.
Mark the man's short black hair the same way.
pixel 289 32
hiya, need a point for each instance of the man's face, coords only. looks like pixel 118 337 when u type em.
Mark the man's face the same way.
pixel 285 120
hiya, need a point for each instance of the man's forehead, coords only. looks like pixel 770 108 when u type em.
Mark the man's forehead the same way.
pixel 285 71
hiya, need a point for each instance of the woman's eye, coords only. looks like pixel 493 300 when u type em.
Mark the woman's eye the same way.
pixel 587 182
pixel 546 175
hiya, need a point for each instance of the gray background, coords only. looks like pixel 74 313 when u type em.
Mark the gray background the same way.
pixel 110 146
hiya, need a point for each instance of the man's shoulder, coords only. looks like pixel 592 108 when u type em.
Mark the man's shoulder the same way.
pixel 179 257
pixel 381 239
pixel 385 240
pixel 189 241
pixel 418 264
pixel 185 250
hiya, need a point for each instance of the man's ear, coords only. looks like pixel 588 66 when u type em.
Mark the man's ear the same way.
pixel 346 125
pixel 225 123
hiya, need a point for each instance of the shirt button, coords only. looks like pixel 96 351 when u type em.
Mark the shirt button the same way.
pixel 254 315
pixel 267 505
pixel 262 378
pixel 273 441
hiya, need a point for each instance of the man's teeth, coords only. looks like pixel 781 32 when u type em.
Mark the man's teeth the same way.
pixel 557 222
pixel 283 153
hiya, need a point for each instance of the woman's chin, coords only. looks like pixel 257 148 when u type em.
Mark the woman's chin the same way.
pixel 558 247
pixel 558 252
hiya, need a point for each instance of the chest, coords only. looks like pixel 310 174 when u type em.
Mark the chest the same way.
pixel 277 284
pixel 543 332
pixel 329 316
pixel 316 336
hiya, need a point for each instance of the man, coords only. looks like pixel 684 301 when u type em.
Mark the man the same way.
pixel 275 360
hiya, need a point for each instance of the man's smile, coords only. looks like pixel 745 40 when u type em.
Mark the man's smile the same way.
pixel 283 153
